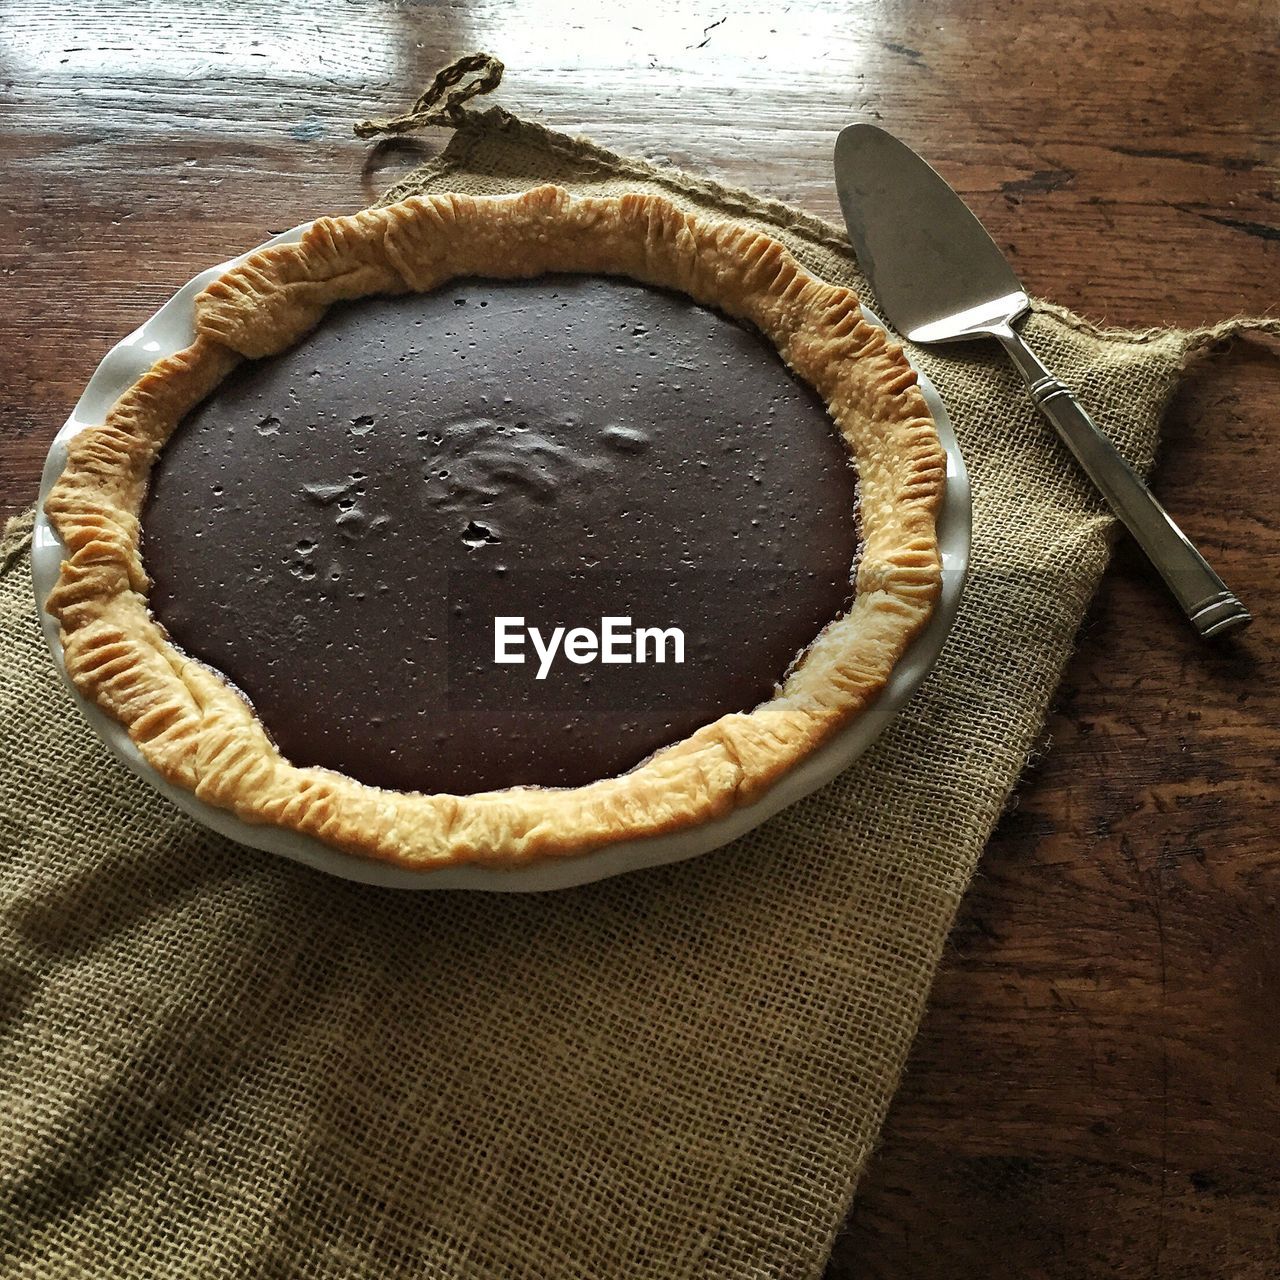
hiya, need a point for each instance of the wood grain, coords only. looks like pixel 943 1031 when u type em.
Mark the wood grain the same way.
pixel 1096 1090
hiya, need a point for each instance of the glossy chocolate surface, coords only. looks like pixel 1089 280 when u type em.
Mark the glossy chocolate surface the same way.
pixel 336 529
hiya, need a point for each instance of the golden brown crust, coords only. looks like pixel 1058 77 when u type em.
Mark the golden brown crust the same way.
pixel 200 734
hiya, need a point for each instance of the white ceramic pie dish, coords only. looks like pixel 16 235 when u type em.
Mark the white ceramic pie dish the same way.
pixel 170 329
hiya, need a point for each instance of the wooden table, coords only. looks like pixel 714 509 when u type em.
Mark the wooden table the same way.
pixel 1096 1090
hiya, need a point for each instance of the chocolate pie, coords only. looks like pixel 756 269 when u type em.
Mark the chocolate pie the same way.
pixel 488 530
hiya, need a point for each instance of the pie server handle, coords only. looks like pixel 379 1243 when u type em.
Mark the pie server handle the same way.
pixel 1211 606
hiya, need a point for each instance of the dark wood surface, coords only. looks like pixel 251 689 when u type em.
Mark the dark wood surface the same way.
pixel 1096 1090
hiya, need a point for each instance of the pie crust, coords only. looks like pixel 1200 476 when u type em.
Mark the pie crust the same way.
pixel 200 734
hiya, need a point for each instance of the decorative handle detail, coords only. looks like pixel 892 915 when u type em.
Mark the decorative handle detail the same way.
pixel 1219 614
pixel 442 102
pixel 1211 608
pixel 1045 389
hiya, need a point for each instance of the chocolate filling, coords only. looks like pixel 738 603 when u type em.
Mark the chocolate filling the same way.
pixel 337 528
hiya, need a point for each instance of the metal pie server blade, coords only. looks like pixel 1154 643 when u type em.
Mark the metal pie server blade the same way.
pixel 939 277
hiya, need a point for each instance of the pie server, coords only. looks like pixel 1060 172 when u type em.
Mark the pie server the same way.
pixel 939 277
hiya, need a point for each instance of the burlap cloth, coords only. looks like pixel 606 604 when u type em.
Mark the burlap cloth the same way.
pixel 217 1063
